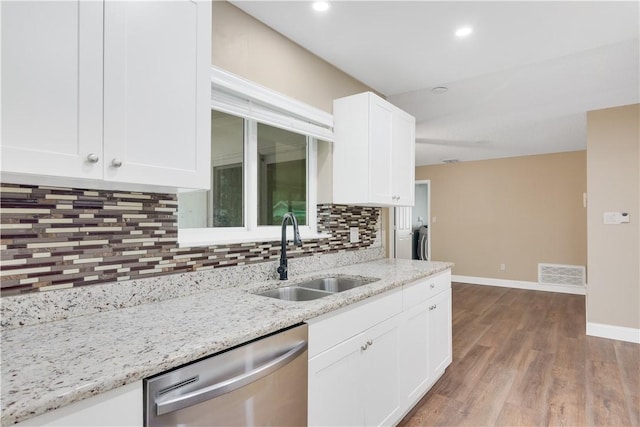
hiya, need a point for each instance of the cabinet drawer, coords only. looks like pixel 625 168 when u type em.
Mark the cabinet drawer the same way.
pixel 331 329
pixel 423 289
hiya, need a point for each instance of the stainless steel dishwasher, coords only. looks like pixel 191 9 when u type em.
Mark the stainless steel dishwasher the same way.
pixel 262 383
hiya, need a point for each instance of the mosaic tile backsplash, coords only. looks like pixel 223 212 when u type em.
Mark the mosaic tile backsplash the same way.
pixel 53 238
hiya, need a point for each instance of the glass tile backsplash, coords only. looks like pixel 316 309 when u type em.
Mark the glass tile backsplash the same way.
pixel 53 237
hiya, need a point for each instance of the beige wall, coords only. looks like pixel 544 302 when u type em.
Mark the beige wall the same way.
pixel 613 182
pixel 518 211
pixel 325 172
pixel 248 48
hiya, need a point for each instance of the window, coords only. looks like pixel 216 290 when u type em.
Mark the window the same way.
pixel 278 161
pixel 226 200
pixel 263 164
pixel 282 175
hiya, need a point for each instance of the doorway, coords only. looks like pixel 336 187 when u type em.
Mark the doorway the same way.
pixel 407 222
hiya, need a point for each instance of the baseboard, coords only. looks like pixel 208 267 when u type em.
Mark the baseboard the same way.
pixel 619 333
pixel 519 284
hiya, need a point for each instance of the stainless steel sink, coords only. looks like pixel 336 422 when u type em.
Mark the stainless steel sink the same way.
pixel 316 288
pixel 294 293
pixel 335 284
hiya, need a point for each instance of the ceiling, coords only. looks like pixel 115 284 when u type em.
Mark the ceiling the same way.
pixel 520 84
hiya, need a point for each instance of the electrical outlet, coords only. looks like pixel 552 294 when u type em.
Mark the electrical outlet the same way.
pixel 354 235
pixel 503 267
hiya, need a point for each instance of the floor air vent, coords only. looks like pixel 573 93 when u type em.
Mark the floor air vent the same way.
pixel 557 274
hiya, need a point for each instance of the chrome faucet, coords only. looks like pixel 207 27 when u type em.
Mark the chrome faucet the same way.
pixel 283 269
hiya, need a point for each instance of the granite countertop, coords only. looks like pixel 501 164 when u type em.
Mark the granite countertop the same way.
pixel 53 364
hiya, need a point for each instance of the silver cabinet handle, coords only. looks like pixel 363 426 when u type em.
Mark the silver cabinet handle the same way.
pixel 116 163
pixel 93 158
pixel 366 345
pixel 207 393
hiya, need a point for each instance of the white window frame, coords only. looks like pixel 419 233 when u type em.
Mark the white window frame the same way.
pixel 234 95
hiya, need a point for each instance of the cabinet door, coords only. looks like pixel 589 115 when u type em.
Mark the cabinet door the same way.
pixel 335 386
pixel 118 407
pixel 414 369
pixel 440 351
pixel 380 136
pixel 403 159
pixel 156 107
pixel 381 374
pixel 51 88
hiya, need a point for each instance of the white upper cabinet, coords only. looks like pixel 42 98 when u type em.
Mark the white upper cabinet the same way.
pixel 373 153
pixel 157 92
pixel 52 88
pixel 403 170
pixel 108 94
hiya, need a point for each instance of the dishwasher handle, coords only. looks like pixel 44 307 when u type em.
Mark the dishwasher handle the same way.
pixel 215 390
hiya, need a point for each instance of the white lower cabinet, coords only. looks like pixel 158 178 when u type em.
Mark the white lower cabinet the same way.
pixel 334 386
pixel 415 379
pixel 426 335
pixel 118 407
pixel 347 385
pixel 425 345
pixel 440 334
pixel 371 362
pixel 381 366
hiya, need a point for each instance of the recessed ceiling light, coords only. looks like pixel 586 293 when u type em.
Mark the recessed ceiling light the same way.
pixel 439 90
pixel 320 6
pixel 464 32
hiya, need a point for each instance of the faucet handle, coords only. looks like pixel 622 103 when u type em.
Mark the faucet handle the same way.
pixel 283 272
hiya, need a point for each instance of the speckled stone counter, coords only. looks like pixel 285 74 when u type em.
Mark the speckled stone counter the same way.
pixel 50 365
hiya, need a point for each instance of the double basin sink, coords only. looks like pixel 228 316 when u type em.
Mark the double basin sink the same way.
pixel 317 288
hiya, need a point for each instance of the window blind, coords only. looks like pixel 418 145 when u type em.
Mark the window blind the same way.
pixel 234 95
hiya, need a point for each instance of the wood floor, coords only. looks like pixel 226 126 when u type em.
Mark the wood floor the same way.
pixel 521 358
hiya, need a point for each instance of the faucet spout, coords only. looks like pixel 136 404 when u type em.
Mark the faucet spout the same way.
pixel 283 268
